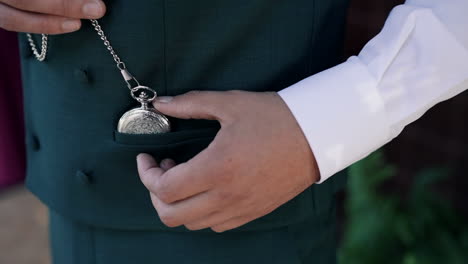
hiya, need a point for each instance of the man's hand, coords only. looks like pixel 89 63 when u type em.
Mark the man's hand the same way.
pixel 48 16
pixel 258 161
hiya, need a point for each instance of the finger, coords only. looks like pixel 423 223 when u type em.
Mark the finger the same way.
pixel 65 8
pixel 180 213
pixel 148 170
pixel 188 179
pixel 214 219
pixel 193 105
pixel 233 223
pixel 167 164
pixel 20 21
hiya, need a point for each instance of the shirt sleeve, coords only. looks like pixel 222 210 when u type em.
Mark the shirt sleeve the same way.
pixel 419 59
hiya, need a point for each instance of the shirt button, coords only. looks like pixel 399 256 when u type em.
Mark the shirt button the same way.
pixel 82 75
pixel 84 177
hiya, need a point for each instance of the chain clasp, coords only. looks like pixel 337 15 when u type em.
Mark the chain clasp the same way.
pixel 128 77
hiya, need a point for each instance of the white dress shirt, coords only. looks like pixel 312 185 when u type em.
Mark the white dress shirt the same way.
pixel 419 59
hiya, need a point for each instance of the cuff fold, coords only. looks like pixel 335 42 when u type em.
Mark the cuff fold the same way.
pixel 341 114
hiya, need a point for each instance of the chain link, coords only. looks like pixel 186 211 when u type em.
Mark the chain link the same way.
pixel 42 55
pixel 128 77
pixel 131 81
pixel 39 56
pixel 101 34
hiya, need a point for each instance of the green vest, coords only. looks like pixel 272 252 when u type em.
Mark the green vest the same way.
pixel 82 168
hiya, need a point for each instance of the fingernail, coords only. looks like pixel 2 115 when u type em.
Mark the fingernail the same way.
pixel 93 9
pixel 139 157
pixel 164 99
pixel 71 25
pixel 142 156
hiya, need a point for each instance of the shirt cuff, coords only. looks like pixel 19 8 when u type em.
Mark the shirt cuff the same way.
pixel 341 113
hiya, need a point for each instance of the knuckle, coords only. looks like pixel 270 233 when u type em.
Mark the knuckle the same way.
pixel 168 219
pixel 155 202
pixel 68 8
pixel 165 196
pixel 190 227
pixel 235 92
pixel 64 7
pixel 193 93
pixel 193 227
pixel 48 26
pixel 218 229
pixel 60 7
pixel 235 96
pixel 164 192
pixel 232 196
pixel 149 178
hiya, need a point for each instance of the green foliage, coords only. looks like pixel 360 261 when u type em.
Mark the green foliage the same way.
pixel 383 227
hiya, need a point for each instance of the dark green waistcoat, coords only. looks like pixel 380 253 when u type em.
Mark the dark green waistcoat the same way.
pixel 79 166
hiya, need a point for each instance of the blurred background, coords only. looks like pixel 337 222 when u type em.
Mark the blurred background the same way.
pixel 404 204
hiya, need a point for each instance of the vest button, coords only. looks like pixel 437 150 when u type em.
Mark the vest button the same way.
pixel 82 75
pixel 35 144
pixel 83 177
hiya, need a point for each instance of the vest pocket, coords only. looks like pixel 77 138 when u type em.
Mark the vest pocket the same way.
pixel 179 145
pixel 163 139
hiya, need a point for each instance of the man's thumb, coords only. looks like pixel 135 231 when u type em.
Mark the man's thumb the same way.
pixel 192 105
